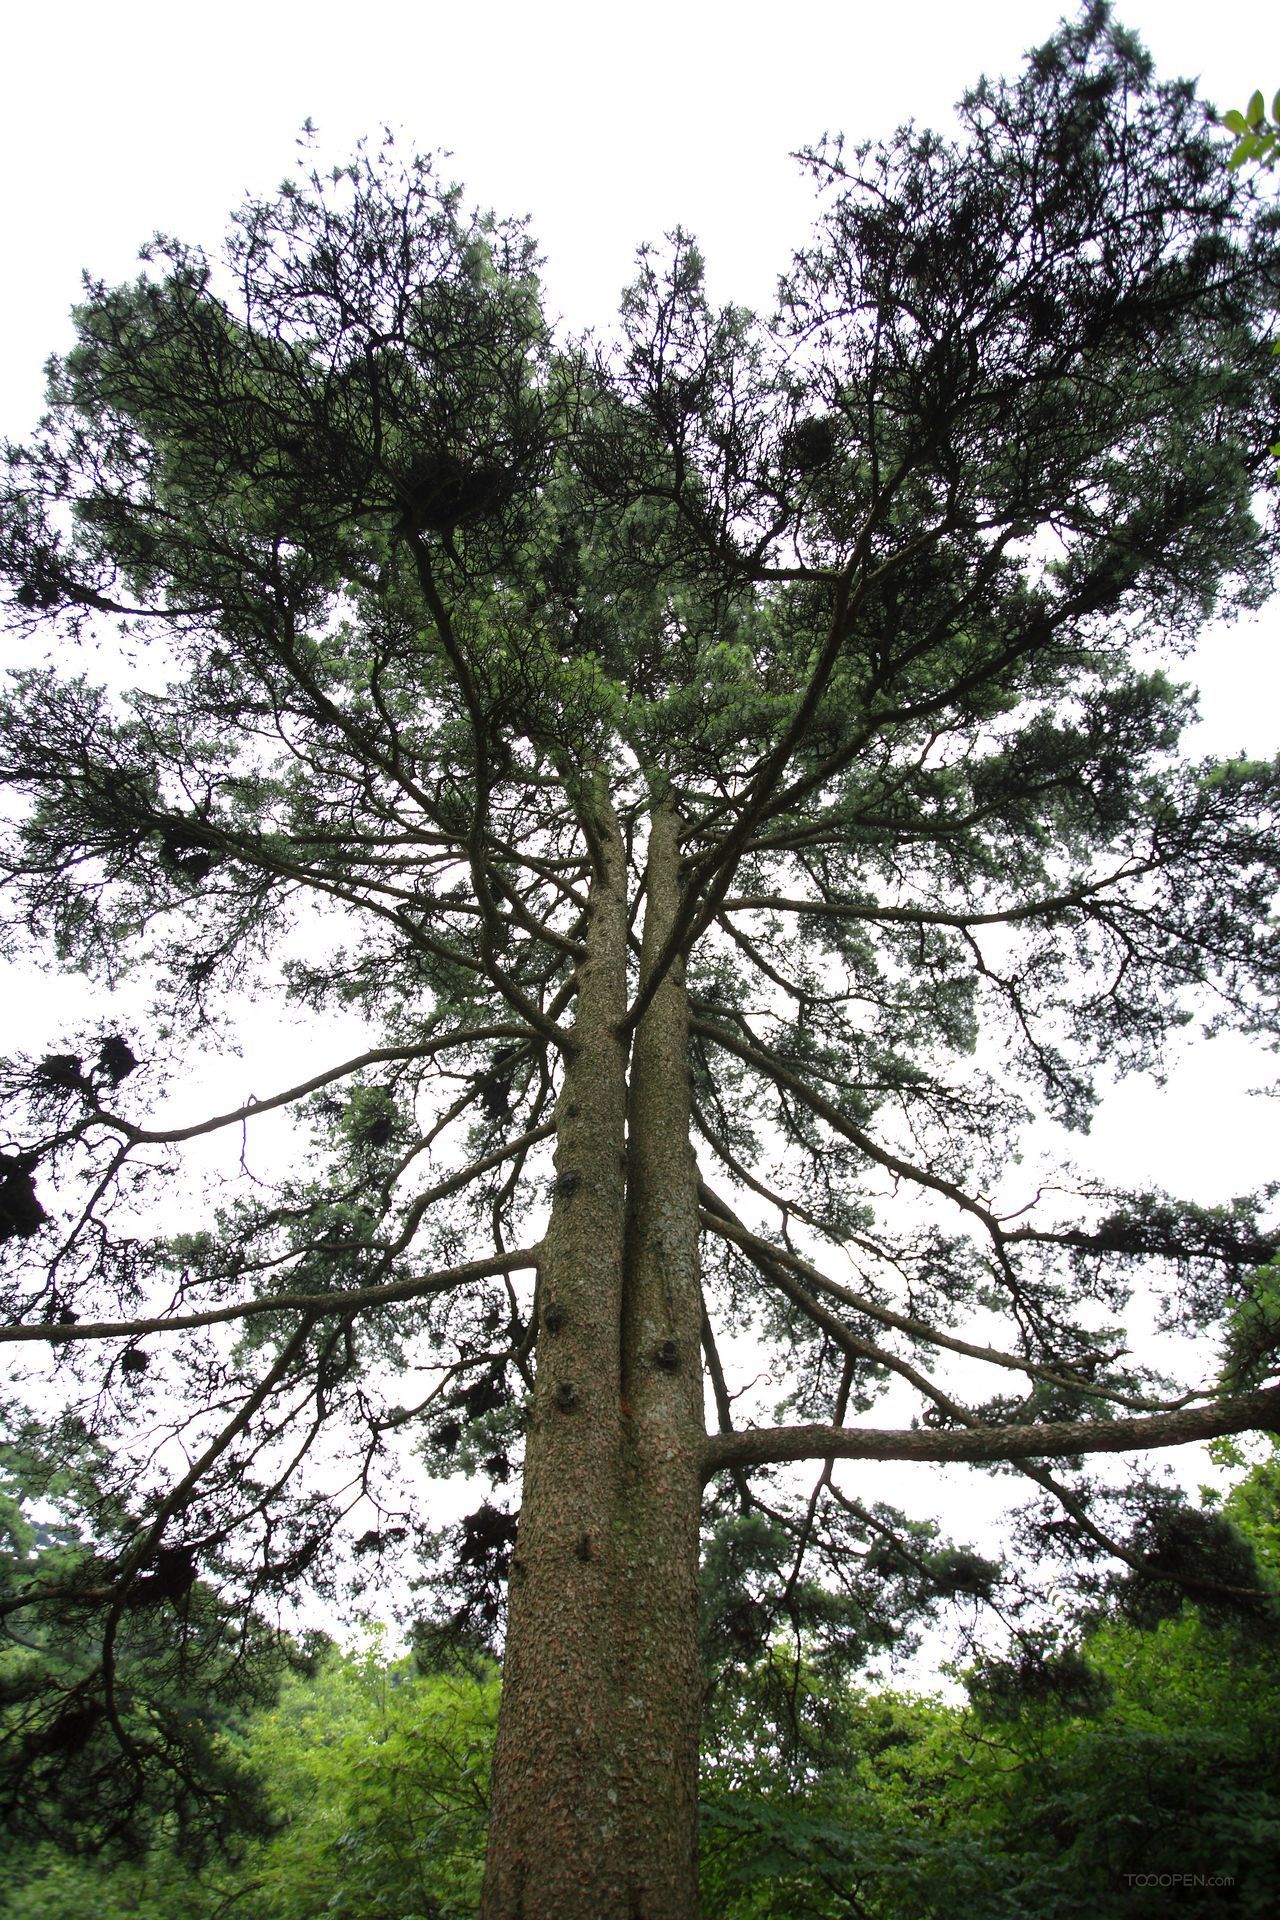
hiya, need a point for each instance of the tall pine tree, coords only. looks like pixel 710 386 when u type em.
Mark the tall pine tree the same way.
pixel 682 755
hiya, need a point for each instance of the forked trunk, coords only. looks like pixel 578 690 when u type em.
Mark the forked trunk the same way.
pixel 595 1776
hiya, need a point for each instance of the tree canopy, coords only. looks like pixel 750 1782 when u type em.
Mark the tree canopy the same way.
pixel 750 737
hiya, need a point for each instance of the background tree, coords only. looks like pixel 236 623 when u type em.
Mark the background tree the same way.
pixel 1257 136
pixel 1081 1776
pixel 678 754
pixel 1130 1771
pixel 378 1778
pixel 369 1783
pixel 126 1762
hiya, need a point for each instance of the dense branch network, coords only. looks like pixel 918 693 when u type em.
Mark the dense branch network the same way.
pixel 434 605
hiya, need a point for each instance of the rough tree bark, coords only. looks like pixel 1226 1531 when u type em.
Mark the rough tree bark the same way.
pixel 663 1435
pixel 594 1813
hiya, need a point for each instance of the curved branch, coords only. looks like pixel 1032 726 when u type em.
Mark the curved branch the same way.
pixel 173 1503
pixel 318 1305
pixel 170 1136
pixel 1076 899
pixel 773 1069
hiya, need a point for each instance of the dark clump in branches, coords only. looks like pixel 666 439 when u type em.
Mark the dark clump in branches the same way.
pixel 810 445
pixel 169 1573
pixel 440 493
pixel 486 1544
pixel 186 854
pixel 62 1071
pixel 21 1213
pixel 116 1058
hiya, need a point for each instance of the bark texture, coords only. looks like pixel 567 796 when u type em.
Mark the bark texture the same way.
pixel 663 1431
pixel 554 1807
pixel 595 1775
pixel 1053 1439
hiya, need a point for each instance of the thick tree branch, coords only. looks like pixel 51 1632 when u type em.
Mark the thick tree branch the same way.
pixel 1048 906
pixel 373 1056
pixel 1055 1439
pixel 320 1305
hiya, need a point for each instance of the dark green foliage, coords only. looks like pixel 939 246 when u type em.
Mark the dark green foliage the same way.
pixel 1178 1550
pixel 1079 1783
pixel 117 1747
pixel 1061 1681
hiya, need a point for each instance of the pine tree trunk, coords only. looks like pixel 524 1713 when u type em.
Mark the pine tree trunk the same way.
pixel 662 1429
pixel 595 1775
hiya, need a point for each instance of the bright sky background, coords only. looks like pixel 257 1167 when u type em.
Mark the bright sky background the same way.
pixel 608 125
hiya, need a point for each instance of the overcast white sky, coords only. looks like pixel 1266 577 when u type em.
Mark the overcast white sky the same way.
pixel 606 124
